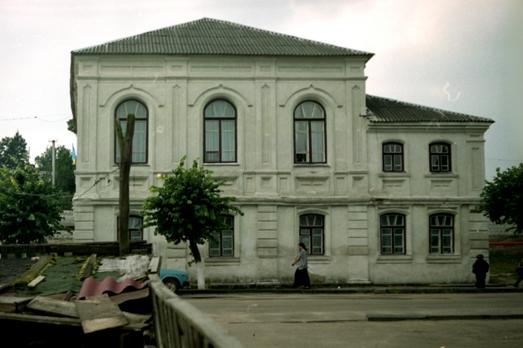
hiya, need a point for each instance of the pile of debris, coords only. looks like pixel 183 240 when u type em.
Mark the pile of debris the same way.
pixel 82 302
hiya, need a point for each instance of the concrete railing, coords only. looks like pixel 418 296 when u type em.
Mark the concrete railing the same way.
pixel 179 324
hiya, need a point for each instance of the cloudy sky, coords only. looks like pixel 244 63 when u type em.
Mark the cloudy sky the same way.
pixel 460 55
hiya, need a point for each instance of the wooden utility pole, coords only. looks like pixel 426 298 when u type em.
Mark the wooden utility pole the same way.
pixel 125 141
pixel 53 163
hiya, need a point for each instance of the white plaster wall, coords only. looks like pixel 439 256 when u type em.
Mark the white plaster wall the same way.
pixel 350 189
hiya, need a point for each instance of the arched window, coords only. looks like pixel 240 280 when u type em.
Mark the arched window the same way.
pixel 219 132
pixel 441 229
pixel 392 157
pixel 392 234
pixel 440 158
pixel 309 133
pixel 139 110
pixel 312 230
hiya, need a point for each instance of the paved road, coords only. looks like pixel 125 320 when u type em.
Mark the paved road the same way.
pixel 341 320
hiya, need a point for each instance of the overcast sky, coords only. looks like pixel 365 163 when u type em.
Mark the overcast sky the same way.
pixel 464 56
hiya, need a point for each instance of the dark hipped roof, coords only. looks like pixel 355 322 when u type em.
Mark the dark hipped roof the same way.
pixel 385 110
pixel 209 36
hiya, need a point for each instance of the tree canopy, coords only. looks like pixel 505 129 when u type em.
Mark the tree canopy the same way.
pixel 188 207
pixel 13 151
pixel 64 167
pixel 502 198
pixel 29 206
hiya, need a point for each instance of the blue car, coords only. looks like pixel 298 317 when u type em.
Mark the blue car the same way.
pixel 174 279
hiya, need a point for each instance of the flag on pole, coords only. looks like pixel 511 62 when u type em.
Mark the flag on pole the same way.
pixel 73 155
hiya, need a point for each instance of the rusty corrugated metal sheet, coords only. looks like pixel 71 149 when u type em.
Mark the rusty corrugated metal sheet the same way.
pixel 109 285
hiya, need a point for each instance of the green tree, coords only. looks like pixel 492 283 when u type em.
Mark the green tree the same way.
pixel 64 175
pixel 502 198
pixel 188 208
pixel 13 151
pixel 29 206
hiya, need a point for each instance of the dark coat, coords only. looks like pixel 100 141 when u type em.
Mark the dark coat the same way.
pixel 519 269
pixel 480 266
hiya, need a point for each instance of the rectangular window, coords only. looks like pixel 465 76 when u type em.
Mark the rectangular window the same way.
pixel 440 158
pixel 312 233
pixel 135 227
pixel 222 243
pixel 392 157
pixel 441 229
pixel 392 234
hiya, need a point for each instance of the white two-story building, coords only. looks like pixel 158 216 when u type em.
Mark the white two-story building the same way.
pixel 380 190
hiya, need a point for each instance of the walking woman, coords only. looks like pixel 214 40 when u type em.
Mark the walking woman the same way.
pixel 301 276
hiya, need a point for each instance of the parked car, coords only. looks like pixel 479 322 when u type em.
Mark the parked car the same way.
pixel 174 279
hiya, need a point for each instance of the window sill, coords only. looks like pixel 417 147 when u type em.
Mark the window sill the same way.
pixel 222 261
pixel 394 259
pixel 443 258
pixel 220 164
pixel 115 165
pixel 319 259
pixel 442 175
pixel 311 165
pixel 394 175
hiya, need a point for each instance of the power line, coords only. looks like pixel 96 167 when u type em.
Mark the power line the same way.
pixel 39 118
pixel 96 182
pixel 18 118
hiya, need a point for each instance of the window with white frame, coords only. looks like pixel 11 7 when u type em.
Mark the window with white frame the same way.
pixel 440 158
pixel 222 242
pixel 441 229
pixel 312 233
pixel 392 234
pixel 309 133
pixel 392 157
pixel 139 110
pixel 219 132
pixel 135 227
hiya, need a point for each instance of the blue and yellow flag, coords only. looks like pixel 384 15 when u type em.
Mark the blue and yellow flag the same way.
pixel 73 155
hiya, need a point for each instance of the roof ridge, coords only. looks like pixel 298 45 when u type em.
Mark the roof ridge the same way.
pixel 424 107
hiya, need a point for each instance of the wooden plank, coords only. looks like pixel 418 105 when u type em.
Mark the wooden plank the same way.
pixel 36 281
pixel 130 296
pixel 33 272
pixel 11 304
pixel 4 287
pixel 154 264
pixel 137 322
pixel 39 319
pixel 68 309
pixel 88 267
pixel 52 306
pixel 99 313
